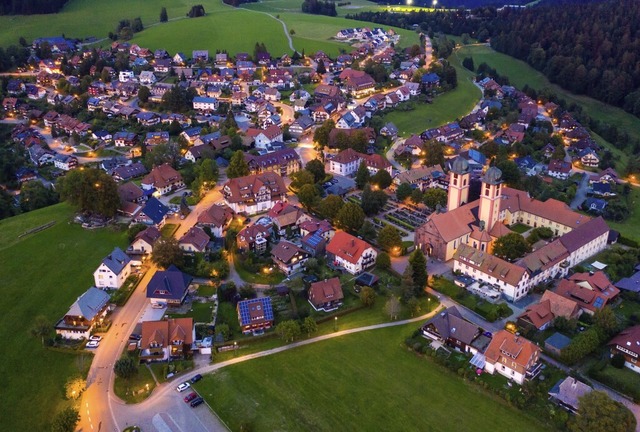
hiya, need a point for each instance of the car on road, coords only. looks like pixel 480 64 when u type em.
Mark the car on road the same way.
pixel 92 344
pixel 191 396
pixel 183 386
pixel 135 336
pixel 157 305
pixel 197 401
pixel 196 378
pixel 95 338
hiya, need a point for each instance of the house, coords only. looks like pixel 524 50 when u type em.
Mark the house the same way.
pixel 24 174
pixel 351 253
pixel 589 158
pixel 594 205
pixel 345 163
pixel 590 291
pixel 194 241
pixel 301 126
pixel 512 356
pixel 314 243
pixel 166 340
pixel 631 283
pixel 263 137
pixel 164 179
pixel 201 103
pixel 555 343
pixel 131 192
pixel 359 84
pixel 147 78
pixel 125 139
pixel 128 172
pixel 287 218
pixel 88 310
pixel 148 118
pixel 567 392
pixel 451 329
pixel 39 156
pixel 272 94
pixel 168 286
pixel 153 213
pixel 430 81
pixel 559 169
pixel 144 241
pixel 551 306
pixel 283 162
pixel 627 344
pixel 326 295
pixel 389 130
pixel 255 315
pixel 217 218
pixel 156 138
pixel 602 189
pixel 253 238
pixel 65 162
pixel 254 193
pixel 114 269
pixel 289 257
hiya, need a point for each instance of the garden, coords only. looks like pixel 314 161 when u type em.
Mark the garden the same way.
pixel 489 311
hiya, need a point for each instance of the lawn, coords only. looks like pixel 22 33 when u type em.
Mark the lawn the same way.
pixel 136 389
pixel 444 109
pixel 200 312
pixel 205 290
pixel 265 276
pixel 520 228
pixel 42 274
pixel 320 387
pixel 631 226
pixel 489 311
pixel 168 230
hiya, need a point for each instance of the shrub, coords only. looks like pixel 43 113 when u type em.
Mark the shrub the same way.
pixel 617 361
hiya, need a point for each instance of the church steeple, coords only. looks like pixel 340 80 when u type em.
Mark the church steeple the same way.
pixel 459 178
pixel 490 197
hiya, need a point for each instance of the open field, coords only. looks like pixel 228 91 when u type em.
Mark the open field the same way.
pixel 42 274
pixel 319 387
pixel 631 226
pixel 445 108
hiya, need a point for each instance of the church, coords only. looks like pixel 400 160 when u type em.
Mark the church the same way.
pixel 479 223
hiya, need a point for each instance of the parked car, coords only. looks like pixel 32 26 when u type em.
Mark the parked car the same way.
pixel 135 336
pixel 197 401
pixel 191 396
pixel 157 306
pixel 196 378
pixel 183 386
pixel 95 338
pixel 92 344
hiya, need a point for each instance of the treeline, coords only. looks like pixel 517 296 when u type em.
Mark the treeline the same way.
pixel 236 3
pixel 30 7
pixel 319 7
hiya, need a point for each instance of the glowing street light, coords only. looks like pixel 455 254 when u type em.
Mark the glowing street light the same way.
pixel 435 3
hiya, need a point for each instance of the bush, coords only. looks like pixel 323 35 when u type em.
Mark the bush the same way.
pixel 628 242
pixel 617 361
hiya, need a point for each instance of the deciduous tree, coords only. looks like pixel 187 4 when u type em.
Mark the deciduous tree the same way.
pixel 66 420
pixel 330 206
pixel 511 246
pixel 403 191
pixel 350 217
pixel 597 412
pixel 389 239
pixel 166 252
pixel 238 167
pixel 392 307
pixel 367 296
pixel 309 326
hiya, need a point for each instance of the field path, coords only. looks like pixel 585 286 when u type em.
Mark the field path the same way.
pixel 284 26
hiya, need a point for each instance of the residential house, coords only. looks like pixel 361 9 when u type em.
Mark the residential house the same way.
pixel 594 205
pixel 65 162
pixel 589 158
pixel 131 192
pixel 147 78
pixel 156 138
pixel 217 218
pixel 389 130
pixel 264 137
pixel 359 84
pixel 559 169
pixel 114 269
pixel 253 238
pixel 201 103
pixel 128 172
pixel 255 315
pixel 345 163
pixel 283 162
pixel 567 392
pixel 153 213
pixel 314 243
pixel 168 286
pixel 602 189
pixel 286 218
pixel 164 179
pixel 326 295
pixel 39 156
pixel 512 356
pixel 254 193
pixel 555 343
pixel 144 242
pixel 450 328
pixel 289 257
pixel 194 241
pixel 125 139
pixel 87 311
pixel 627 344
pixel 591 292
pixel 351 253
pixel 301 126
pixel 551 306
pixel 430 80
pixel 166 340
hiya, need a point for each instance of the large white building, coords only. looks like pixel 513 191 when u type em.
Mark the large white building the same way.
pixel 351 253
pixel 254 194
pixel 113 270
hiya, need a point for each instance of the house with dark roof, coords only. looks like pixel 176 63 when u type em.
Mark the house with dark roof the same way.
pixel 594 205
pixel 627 344
pixel 567 392
pixel 326 295
pixel 255 315
pixel 168 286
pixel 559 169
pixel 283 162
pixel 144 242
pixel 194 241
pixel 631 283
pixel 289 257
pixel 128 172
pixel 556 343
pixel 87 311
pixel 254 193
pixel 166 340
pixel 153 213
pixel 451 329
pixel 114 269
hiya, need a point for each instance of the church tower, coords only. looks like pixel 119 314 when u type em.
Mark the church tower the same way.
pixel 459 178
pixel 490 197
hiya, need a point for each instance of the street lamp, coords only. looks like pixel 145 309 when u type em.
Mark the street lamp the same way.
pixel 335 324
pixel 435 3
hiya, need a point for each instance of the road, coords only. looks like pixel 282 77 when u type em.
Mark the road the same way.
pixel 581 192
pixel 391 155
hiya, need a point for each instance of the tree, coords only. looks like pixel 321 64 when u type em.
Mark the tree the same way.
pixel 597 412
pixel 392 307
pixel 321 134
pixel 161 154
pixel 389 239
pixel 368 231
pixel 434 153
pixel 301 178
pixel 511 246
pixel 372 201
pixel 434 197
pixel 403 191
pixel 367 296
pixel 308 196
pixel 413 304
pixel 35 195
pixel 74 387
pixel 618 361
pixel 417 196
pixel 90 190
pixel 383 261
pixel 382 179
pixel 330 206
pixel 362 175
pixel 41 327
pixel 66 420
pixel 321 69
pixel 418 264
pixel 143 94
pixel 309 326
pixel 606 319
pixel 238 167
pixel 224 331
pixel 288 330
pixel 247 291
pixel 316 167
pixel 350 217
pixel 166 252
pixel 163 15
pixel 467 62
pixel 125 368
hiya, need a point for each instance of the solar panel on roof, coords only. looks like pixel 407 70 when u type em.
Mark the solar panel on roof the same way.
pixel 598 303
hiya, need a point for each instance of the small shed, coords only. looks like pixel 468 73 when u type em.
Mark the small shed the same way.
pixel 556 343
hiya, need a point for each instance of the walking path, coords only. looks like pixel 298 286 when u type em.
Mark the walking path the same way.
pixel 284 26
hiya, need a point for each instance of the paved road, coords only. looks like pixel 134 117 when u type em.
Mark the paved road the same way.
pixel 581 192
pixel 391 155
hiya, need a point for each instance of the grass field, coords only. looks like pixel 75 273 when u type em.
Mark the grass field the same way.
pixel 445 108
pixel 42 274
pixel 631 226
pixel 319 387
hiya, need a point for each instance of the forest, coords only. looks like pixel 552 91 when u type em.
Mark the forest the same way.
pixel 319 7
pixel 30 7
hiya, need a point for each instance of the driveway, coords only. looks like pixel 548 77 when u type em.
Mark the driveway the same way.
pixel 581 193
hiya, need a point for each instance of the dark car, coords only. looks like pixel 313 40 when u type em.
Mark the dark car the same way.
pixel 135 336
pixel 196 378
pixel 191 396
pixel 197 401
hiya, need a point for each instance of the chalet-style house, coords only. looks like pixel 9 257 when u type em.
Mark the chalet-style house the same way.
pixel 627 343
pixel 89 309
pixel 164 179
pixel 168 286
pixel 264 137
pixel 194 241
pixel 166 340
pixel 253 238
pixel 114 269
pixel 351 253
pixel 144 241
pixel 217 218
pixel 449 328
pixel 289 258
pixel 512 356
pixel 551 306
pixel 348 161
pixel 255 315
pixel 254 194
pixel 283 162
pixel 326 295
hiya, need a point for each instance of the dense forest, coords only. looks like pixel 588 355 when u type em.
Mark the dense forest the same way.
pixel 319 7
pixel 467 4
pixel 30 7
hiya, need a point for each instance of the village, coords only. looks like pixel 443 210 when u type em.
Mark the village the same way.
pixel 266 194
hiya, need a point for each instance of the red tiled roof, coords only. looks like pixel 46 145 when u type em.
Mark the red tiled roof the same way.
pixel 325 291
pixel 347 247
